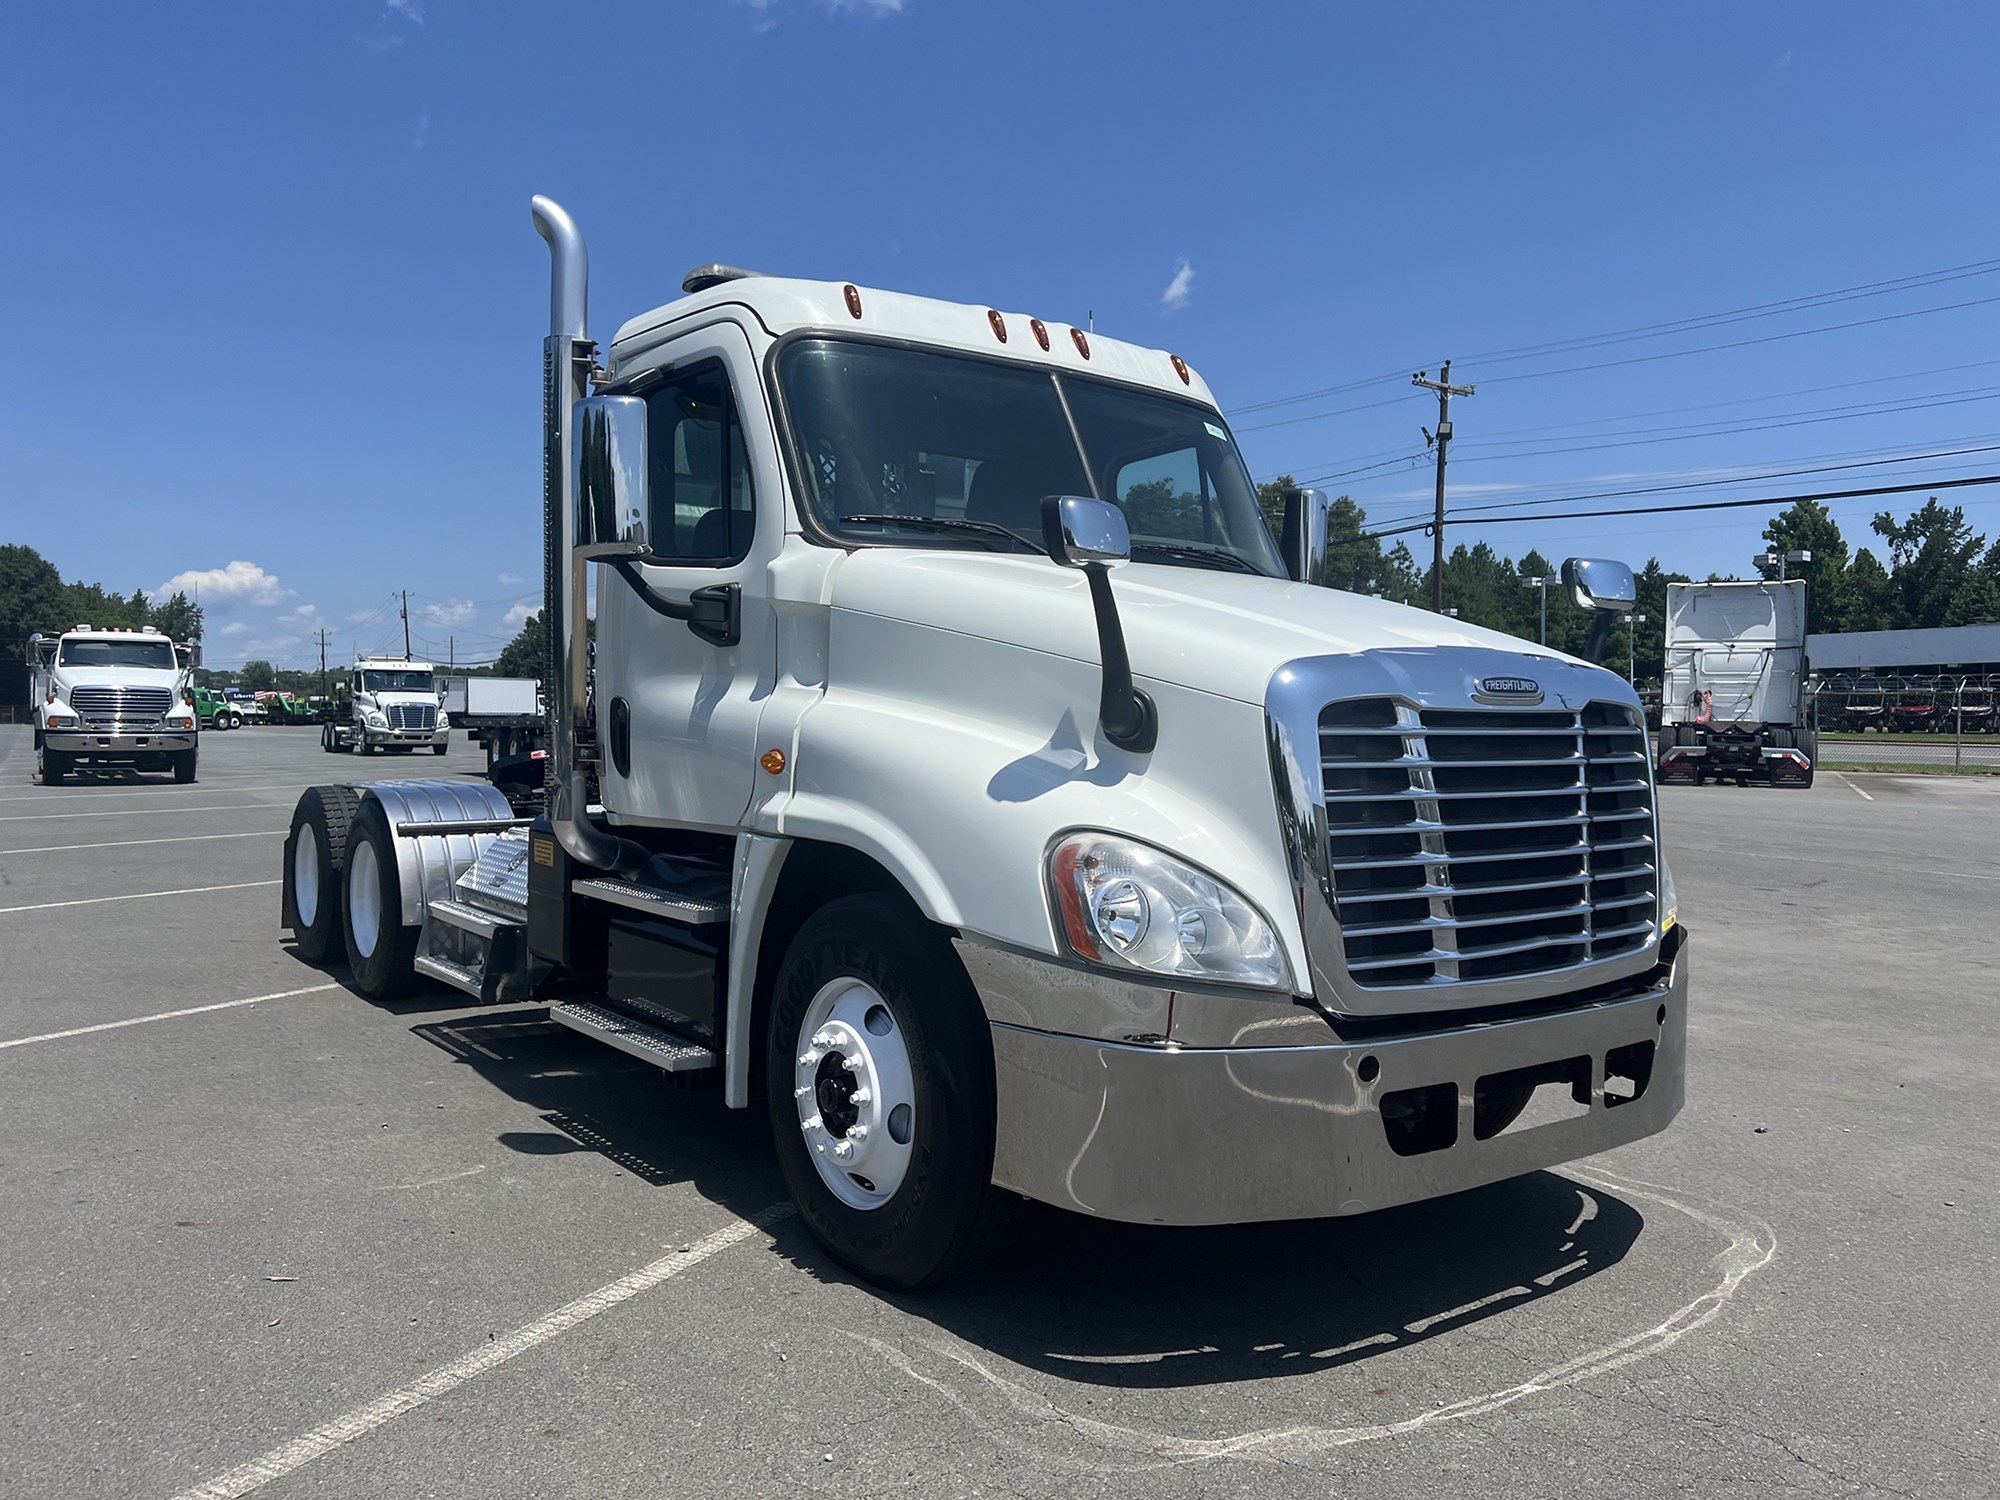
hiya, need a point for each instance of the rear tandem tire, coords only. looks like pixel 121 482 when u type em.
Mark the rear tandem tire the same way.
pixel 381 951
pixel 316 854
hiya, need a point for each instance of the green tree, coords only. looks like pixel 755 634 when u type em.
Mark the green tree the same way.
pixel 179 617
pixel 257 676
pixel 1872 600
pixel 31 597
pixel 1809 526
pixel 522 656
pixel 1932 558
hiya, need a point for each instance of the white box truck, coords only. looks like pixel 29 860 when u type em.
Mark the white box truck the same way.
pixel 105 698
pixel 1732 698
pixel 964 775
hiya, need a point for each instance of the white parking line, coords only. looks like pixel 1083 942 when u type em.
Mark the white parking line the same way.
pixel 140 812
pixel 189 838
pixel 192 890
pixel 1855 789
pixel 164 1015
pixel 361 1421
pixel 155 789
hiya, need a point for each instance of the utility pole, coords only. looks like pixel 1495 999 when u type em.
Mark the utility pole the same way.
pixel 451 653
pixel 406 592
pixel 322 663
pixel 1440 440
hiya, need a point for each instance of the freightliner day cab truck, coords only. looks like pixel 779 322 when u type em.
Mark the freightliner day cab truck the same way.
pixel 113 698
pixel 392 704
pixel 962 776
pixel 1732 697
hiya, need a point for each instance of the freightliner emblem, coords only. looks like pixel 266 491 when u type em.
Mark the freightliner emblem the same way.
pixel 1511 687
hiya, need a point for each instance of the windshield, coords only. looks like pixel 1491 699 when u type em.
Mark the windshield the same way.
pixel 919 448
pixel 397 682
pixel 139 652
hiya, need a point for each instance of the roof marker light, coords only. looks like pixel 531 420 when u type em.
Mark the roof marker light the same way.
pixel 999 325
pixel 1040 330
pixel 1180 367
pixel 1082 344
pixel 853 295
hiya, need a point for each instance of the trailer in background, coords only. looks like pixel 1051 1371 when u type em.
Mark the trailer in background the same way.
pixel 503 714
pixel 1732 704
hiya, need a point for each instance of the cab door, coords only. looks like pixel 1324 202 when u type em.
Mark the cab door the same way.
pixel 677 711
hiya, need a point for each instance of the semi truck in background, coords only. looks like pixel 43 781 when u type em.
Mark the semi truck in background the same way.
pixel 392 704
pixel 1733 704
pixel 107 698
pixel 1206 895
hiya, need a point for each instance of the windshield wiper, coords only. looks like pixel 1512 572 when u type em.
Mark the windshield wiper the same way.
pixel 1199 552
pixel 951 523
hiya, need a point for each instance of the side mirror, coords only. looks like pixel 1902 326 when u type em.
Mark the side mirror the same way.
pixel 1595 583
pixel 609 455
pixel 1600 585
pixel 1304 540
pixel 1079 531
pixel 190 655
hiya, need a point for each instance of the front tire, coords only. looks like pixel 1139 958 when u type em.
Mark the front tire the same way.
pixel 439 749
pixel 184 766
pixel 55 766
pixel 317 852
pixel 381 951
pixel 877 1044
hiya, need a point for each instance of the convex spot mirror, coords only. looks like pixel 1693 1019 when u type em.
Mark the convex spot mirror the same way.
pixel 1599 584
pixel 608 457
pixel 1079 531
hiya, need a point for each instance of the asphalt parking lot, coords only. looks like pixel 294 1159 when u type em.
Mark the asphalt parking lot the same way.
pixel 310 1246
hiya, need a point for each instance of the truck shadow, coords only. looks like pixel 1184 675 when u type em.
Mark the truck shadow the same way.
pixel 1096 1303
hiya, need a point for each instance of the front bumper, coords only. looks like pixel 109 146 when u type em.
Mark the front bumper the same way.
pixel 376 736
pixel 88 742
pixel 1161 1134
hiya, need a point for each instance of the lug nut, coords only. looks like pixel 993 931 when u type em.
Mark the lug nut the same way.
pixel 809 1126
pixel 843 1150
pixel 824 1038
pixel 857 1133
pixel 852 1063
pixel 801 1091
pixel 810 1059
pixel 859 1096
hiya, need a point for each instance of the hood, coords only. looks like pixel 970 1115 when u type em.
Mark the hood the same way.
pixel 1220 633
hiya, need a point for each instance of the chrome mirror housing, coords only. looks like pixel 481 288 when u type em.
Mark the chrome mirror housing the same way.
pixel 1599 584
pixel 1304 539
pixel 609 464
pixel 1080 531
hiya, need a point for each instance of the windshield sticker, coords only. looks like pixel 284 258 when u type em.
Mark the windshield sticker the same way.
pixel 1216 432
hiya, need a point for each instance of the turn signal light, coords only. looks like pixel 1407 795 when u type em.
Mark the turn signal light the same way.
pixel 772 761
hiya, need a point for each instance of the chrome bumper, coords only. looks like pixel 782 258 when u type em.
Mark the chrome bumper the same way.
pixel 87 742
pixel 1162 1134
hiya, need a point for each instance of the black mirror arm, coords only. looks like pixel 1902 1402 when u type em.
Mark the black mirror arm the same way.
pixel 1124 709
pixel 1600 636
pixel 715 614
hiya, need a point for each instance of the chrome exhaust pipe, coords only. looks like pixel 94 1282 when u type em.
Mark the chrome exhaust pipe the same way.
pixel 566 364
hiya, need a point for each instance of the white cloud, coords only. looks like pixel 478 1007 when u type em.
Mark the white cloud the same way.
pixel 235 627
pixel 516 617
pixel 448 611
pixel 239 583
pixel 410 10
pixel 1175 297
pixel 511 578
pixel 305 614
pixel 423 136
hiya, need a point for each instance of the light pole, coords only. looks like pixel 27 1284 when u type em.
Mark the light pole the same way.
pixel 1779 559
pixel 1541 586
pixel 1631 647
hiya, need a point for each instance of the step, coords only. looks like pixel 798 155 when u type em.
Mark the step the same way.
pixel 651 1044
pixel 456 975
pixel 469 918
pixel 689 911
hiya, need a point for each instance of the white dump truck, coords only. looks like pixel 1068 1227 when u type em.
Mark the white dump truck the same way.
pixel 107 698
pixel 1732 696
pixel 392 704
pixel 965 775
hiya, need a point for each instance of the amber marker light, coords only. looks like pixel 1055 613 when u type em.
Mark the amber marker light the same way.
pixel 999 325
pixel 1180 367
pixel 1082 344
pixel 772 761
pixel 853 295
pixel 1041 332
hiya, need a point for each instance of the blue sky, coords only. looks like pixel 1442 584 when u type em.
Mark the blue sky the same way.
pixel 273 306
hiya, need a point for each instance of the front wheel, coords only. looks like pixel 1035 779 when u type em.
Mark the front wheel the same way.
pixel 55 766
pixel 439 749
pixel 879 1071
pixel 184 766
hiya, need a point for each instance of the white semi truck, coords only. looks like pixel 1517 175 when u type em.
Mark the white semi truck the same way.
pixel 392 704
pixel 1203 895
pixel 113 698
pixel 1732 696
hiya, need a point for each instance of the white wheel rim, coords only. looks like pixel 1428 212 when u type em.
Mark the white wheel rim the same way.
pixel 364 898
pixel 856 1093
pixel 305 875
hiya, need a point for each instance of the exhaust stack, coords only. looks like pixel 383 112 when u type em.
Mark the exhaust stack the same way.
pixel 566 364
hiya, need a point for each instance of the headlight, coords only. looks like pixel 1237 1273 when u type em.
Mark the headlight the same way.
pixel 1126 905
pixel 1670 900
pixel 375 718
pixel 59 721
pixel 180 721
pixel 444 719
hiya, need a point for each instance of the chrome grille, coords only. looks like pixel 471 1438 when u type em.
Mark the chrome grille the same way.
pixel 413 715
pixel 112 705
pixel 1471 844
